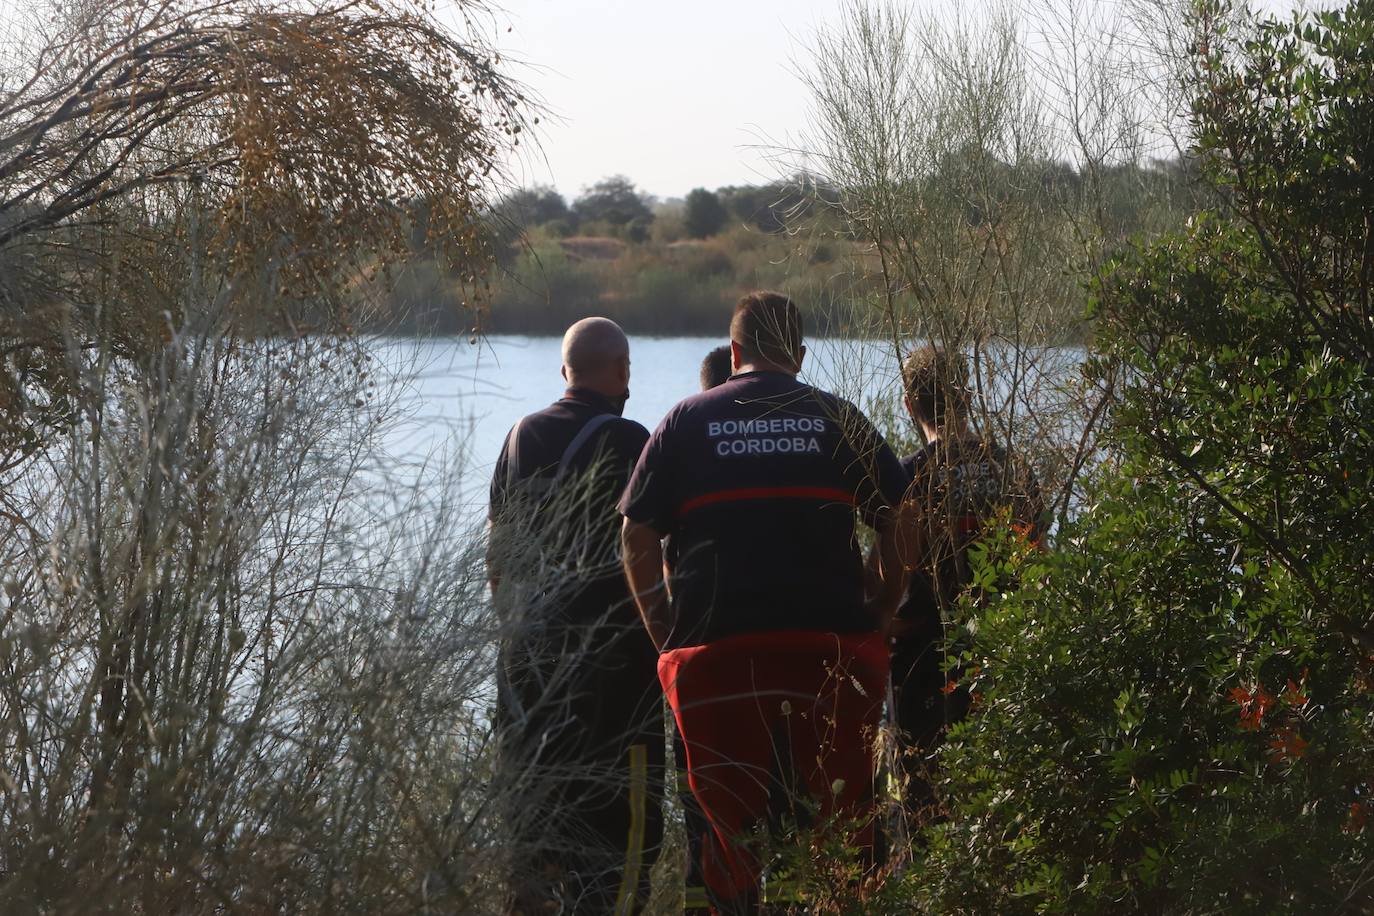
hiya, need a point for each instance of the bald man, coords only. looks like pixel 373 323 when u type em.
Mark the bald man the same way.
pixel 579 707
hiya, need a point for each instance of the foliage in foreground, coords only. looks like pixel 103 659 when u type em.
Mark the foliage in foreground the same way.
pixel 1176 703
pixel 262 160
pixel 243 666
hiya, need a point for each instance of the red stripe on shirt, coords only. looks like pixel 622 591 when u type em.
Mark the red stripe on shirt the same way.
pixel 827 494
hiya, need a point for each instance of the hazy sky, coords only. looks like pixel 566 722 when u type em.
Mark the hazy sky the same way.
pixel 675 94
pixel 672 94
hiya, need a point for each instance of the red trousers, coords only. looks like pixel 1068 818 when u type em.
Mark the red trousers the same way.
pixel 769 717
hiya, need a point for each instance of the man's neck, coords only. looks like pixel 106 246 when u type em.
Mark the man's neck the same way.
pixel 934 434
pixel 601 388
pixel 598 397
pixel 763 366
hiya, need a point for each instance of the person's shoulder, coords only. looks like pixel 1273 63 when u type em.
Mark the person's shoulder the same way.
pixel 628 430
pixel 701 401
pixel 999 451
pixel 983 447
pixel 850 416
pixel 726 391
pixel 535 418
pixel 919 458
pixel 833 401
pixel 625 426
pixel 628 425
pixel 829 402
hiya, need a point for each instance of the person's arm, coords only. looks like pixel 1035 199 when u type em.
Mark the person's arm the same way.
pixel 890 585
pixel 643 553
pixel 496 506
pixel 883 492
pixel 873 588
pixel 493 576
pixel 646 506
pixel 873 580
pixel 1035 515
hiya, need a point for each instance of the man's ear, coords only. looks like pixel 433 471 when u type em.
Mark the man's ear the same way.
pixel 801 356
pixel 736 358
pixel 625 370
pixel 564 372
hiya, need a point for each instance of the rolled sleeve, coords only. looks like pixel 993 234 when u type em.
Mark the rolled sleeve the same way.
pixel 648 497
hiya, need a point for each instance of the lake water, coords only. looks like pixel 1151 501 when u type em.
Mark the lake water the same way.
pixel 460 399
pixel 460 395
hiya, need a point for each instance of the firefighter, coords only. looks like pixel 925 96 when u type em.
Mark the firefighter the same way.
pixel 580 726
pixel 773 662
pixel 716 368
pixel 961 481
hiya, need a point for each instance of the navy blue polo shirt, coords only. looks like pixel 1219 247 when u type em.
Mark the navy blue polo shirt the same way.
pixel 531 454
pixel 756 484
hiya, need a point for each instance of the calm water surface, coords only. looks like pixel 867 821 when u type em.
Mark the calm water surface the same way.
pixel 460 399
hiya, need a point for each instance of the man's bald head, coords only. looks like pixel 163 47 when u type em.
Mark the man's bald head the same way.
pixel 596 355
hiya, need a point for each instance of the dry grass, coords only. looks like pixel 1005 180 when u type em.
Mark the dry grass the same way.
pixel 594 248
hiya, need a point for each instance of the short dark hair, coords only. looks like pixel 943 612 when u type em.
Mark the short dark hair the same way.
pixel 716 368
pixel 768 326
pixel 936 383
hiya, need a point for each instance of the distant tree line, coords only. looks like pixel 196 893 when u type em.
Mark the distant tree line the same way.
pixel 669 266
pixel 614 206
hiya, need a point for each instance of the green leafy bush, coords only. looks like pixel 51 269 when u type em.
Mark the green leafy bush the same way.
pixel 1175 705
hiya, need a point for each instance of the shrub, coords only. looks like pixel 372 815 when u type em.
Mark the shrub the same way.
pixel 236 669
pixel 680 301
pixel 702 260
pixel 1175 704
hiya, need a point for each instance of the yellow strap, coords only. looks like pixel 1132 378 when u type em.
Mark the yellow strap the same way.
pixel 696 898
pixel 634 847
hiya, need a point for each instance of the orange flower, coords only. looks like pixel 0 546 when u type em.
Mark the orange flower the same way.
pixel 1286 745
pixel 1357 818
pixel 1253 705
pixel 951 685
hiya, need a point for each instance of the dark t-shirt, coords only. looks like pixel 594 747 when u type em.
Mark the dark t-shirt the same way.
pixel 957 486
pixel 756 483
pixel 577 668
pixel 546 434
pixel 572 521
